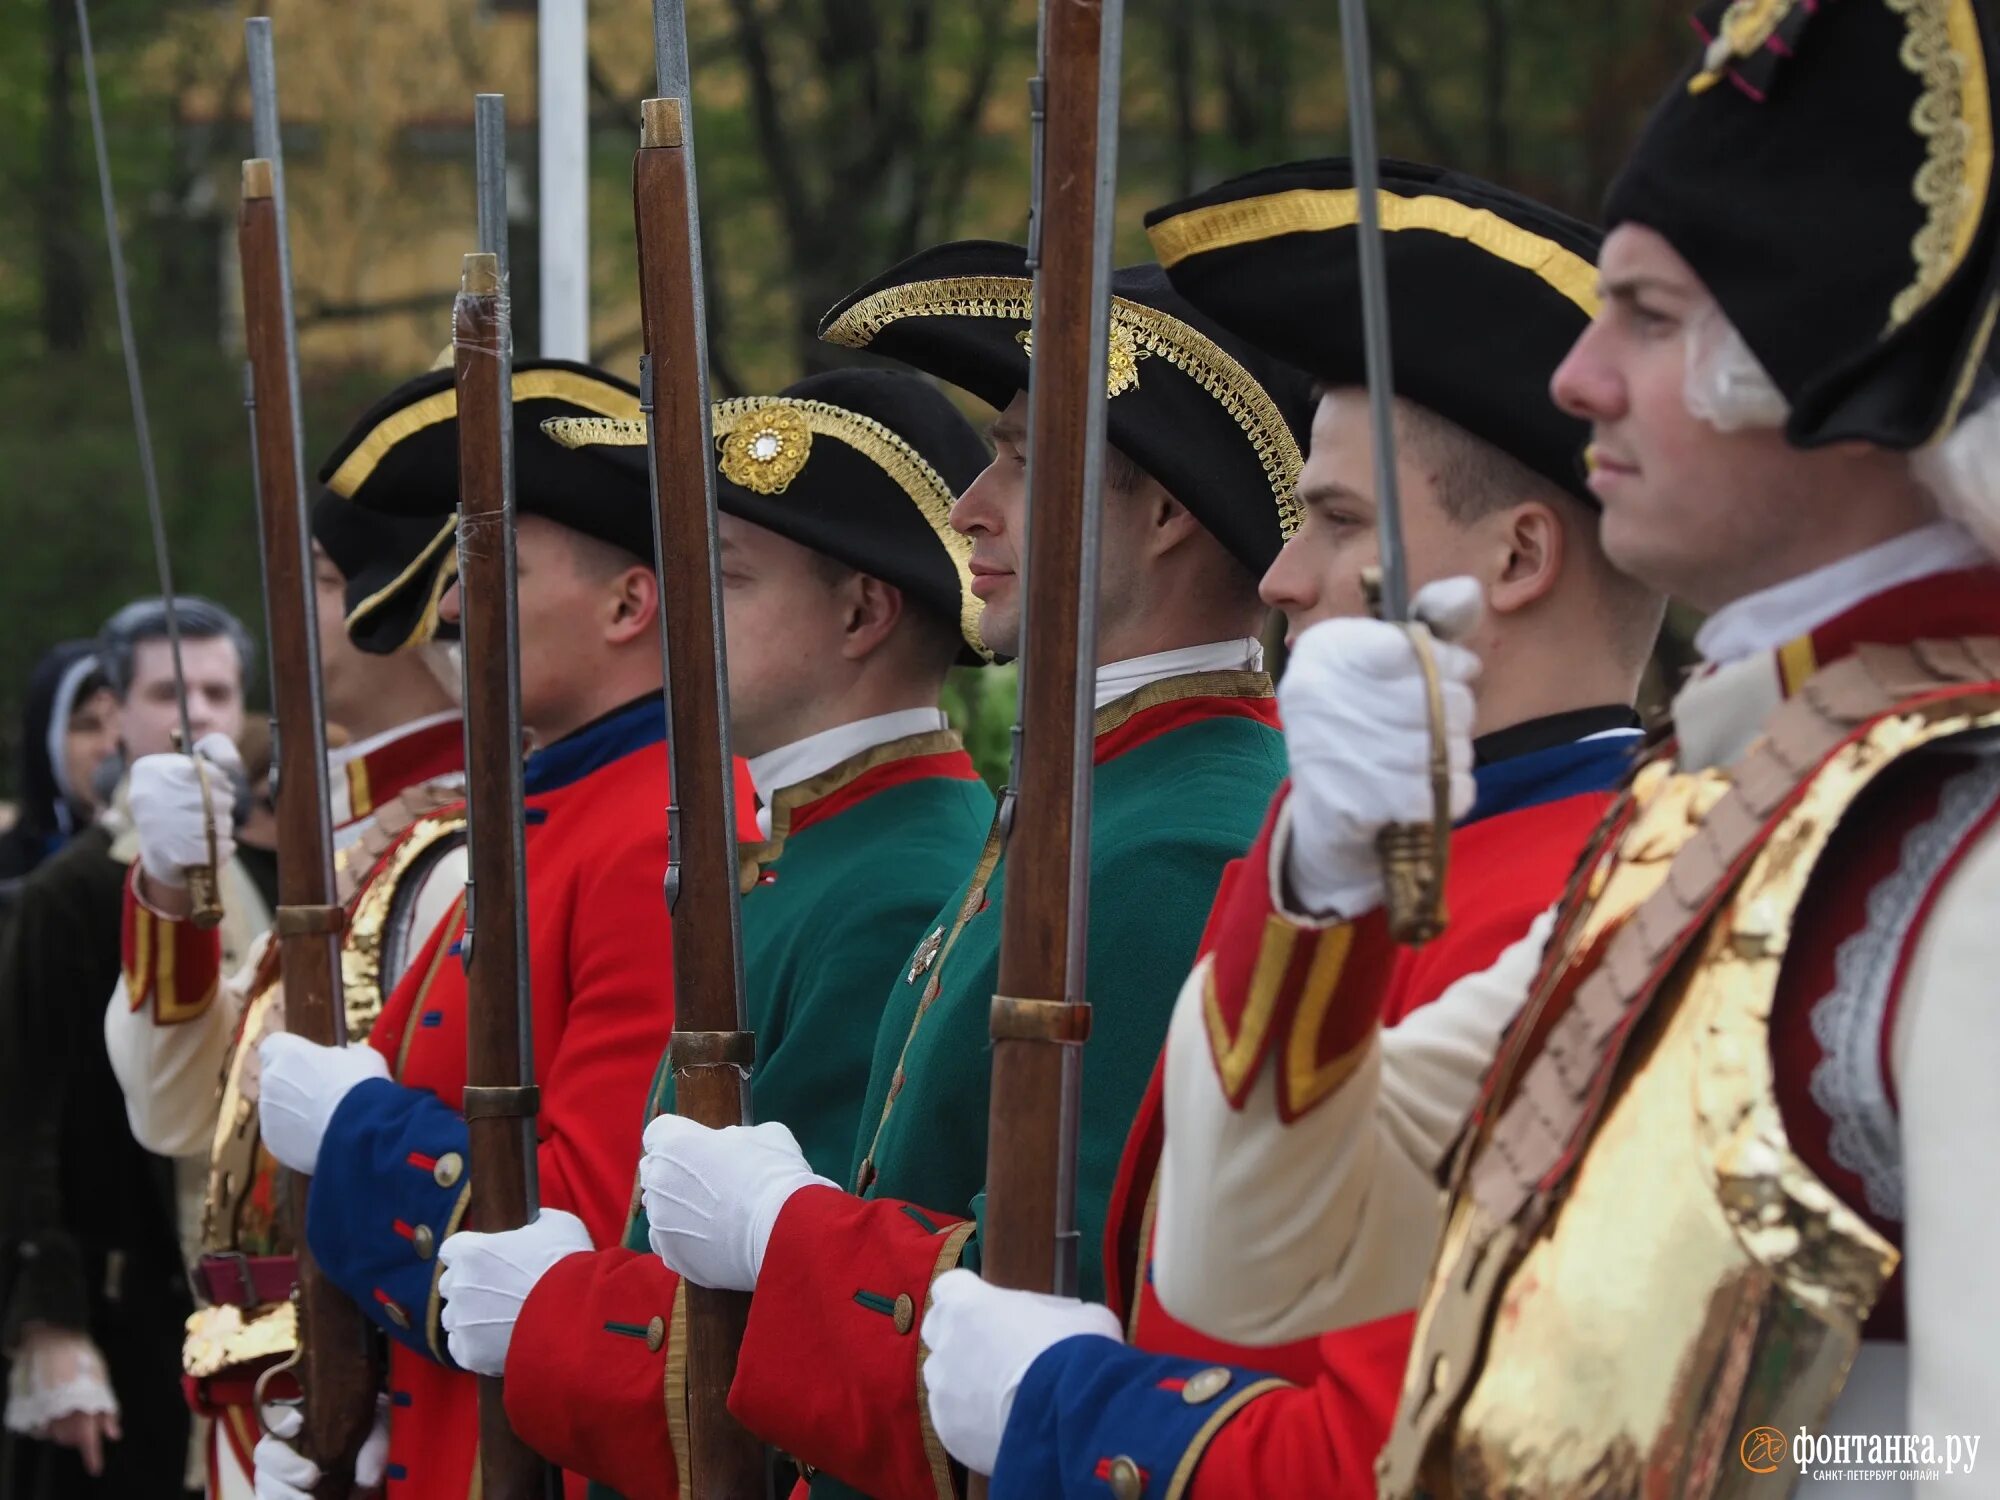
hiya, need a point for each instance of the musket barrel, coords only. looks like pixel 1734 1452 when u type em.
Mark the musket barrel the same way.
pixel 500 1098
pixel 337 1366
pixel 711 1050
pixel 1040 1016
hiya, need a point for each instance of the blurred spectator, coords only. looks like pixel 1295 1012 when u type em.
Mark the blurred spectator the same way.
pixel 69 728
pixel 93 1294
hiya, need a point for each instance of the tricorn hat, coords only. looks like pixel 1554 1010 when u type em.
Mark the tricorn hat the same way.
pixel 396 568
pixel 401 458
pixel 1487 291
pixel 860 465
pixel 1216 422
pixel 1826 167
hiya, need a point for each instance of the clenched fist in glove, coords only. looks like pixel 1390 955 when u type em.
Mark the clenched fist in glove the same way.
pixel 488 1276
pixel 303 1085
pixel 1357 730
pixel 712 1196
pixel 284 1473
pixel 982 1339
pixel 169 812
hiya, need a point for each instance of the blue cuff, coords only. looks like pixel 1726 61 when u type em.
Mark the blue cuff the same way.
pixel 1094 1419
pixel 392 1183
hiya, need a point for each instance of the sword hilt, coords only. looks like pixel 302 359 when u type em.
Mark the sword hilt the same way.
pixel 1415 855
pixel 204 881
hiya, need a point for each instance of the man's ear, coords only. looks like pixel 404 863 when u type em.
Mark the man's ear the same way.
pixel 633 606
pixel 872 609
pixel 1532 544
pixel 1172 523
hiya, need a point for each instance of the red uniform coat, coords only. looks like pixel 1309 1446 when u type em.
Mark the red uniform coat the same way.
pixel 392 1180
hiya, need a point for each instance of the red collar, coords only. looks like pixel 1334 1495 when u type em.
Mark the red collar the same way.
pixel 1173 702
pixel 916 757
pixel 1942 606
pixel 390 769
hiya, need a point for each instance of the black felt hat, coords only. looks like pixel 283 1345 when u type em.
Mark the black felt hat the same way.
pixel 1216 422
pixel 861 465
pixel 1826 166
pixel 1487 291
pixel 396 569
pixel 402 457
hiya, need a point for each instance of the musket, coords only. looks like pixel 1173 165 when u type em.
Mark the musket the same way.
pixel 711 1050
pixel 203 880
pixel 1040 1017
pixel 336 1365
pixel 1413 854
pixel 500 1094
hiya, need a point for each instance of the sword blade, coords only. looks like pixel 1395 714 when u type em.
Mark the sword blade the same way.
pixel 128 343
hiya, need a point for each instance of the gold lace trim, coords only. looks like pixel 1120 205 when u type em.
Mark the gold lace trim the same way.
pixel 1194 354
pixel 1245 221
pixel 442 406
pixel 1954 116
pixel 745 416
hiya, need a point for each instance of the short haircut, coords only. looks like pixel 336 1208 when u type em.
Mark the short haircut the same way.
pixel 1122 475
pixel 932 643
pixel 146 620
pixel 1472 477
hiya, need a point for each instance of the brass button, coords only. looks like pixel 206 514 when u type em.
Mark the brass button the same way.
pixel 1126 1483
pixel 393 1311
pixel 423 1242
pixel 450 1167
pixel 656 1333
pixel 925 956
pixel 906 1313
pixel 1206 1386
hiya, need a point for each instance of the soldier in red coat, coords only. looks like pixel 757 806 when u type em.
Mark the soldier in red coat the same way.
pixel 379 1127
pixel 1488 291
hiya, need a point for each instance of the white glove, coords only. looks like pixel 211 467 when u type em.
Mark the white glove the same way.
pixel 712 1196
pixel 284 1473
pixel 166 798
pixel 303 1083
pixel 982 1339
pixel 488 1276
pixel 1357 730
pixel 58 1391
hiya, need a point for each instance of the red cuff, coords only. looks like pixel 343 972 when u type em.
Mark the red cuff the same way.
pixel 171 966
pixel 1320 1440
pixel 829 1366
pixel 588 1382
pixel 1314 993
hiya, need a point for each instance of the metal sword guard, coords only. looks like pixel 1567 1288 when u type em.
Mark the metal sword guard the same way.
pixel 1415 856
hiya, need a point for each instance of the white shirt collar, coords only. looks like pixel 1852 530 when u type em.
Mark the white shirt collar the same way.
pixel 1769 618
pixel 800 761
pixel 340 757
pixel 1116 679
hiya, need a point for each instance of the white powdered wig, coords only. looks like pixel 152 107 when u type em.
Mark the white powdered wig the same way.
pixel 1724 385
pixel 1962 473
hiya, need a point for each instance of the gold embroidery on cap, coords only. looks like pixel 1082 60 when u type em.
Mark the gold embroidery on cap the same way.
pixel 766 449
pixel 1187 349
pixel 1121 357
pixel 1953 114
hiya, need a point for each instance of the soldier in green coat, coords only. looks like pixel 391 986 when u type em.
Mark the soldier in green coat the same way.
pixel 1199 497
pixel 845 606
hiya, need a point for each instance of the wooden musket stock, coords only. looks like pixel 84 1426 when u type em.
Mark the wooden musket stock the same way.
pixel 725 1461
pixel 499 1107
pixel 338 1370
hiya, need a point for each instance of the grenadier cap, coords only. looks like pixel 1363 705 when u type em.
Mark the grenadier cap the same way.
pixel 401 458
pixel 1216 422
pixel 859 465
pixel 396 567
pixel 1487 290
pixel 1826 167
